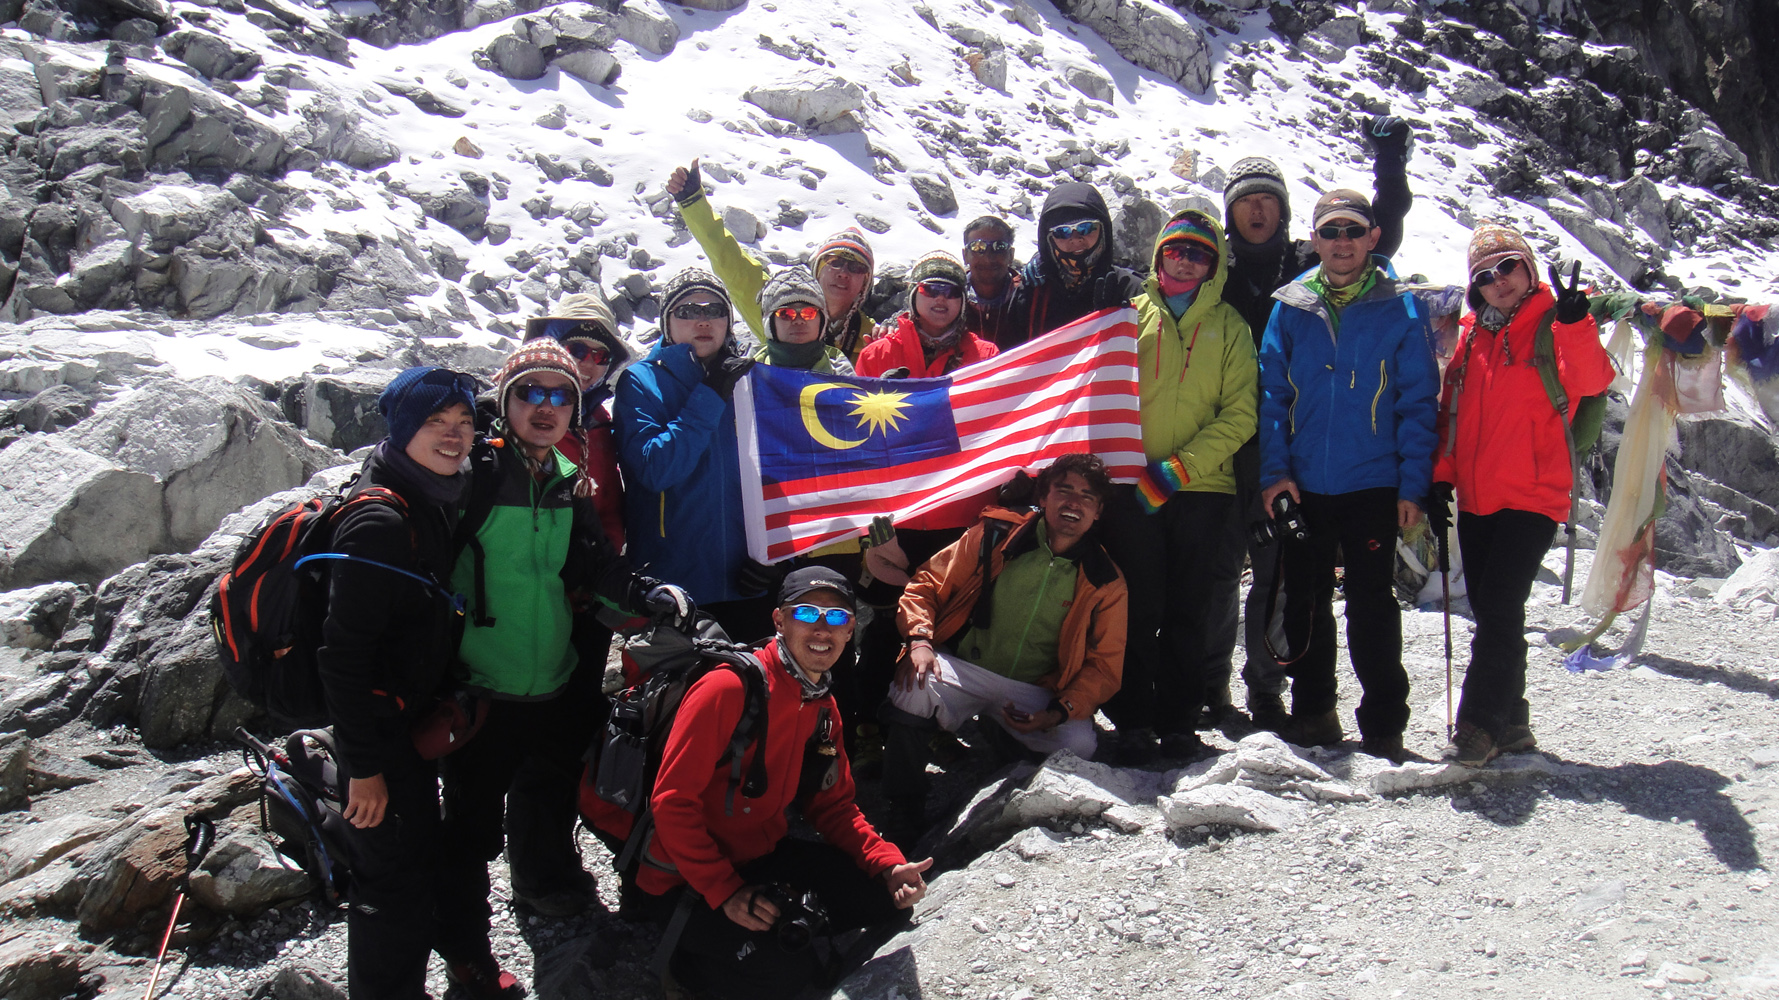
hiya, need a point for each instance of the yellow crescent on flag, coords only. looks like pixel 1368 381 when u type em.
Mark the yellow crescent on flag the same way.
pixel 811 423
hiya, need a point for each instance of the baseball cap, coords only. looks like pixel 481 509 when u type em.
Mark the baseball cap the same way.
pixel 803 582
pixel 1344 204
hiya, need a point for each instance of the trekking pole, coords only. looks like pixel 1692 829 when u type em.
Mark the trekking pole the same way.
pixel 1445 593
pixel 200 834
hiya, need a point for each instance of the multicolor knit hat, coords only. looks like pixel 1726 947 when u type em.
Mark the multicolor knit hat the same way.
pixel 940 265
pixel 848 242
pixel 531 357
pixel 1188 226
pixel 1495 241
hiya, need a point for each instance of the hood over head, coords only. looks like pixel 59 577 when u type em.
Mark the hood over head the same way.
pixel 1071 202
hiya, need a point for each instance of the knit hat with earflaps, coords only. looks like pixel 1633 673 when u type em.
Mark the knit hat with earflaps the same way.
pixel 937 264
pixel 1493 242
pixel 791 286
pixel 532 357
pixel 848 242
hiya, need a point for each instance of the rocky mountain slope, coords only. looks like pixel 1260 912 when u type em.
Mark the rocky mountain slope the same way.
pixel 227 223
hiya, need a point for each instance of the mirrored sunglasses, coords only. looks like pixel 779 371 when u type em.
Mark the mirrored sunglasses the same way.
pixel 1353 231
pixel 1086 227
pixel 988 246
pixel 809 614
pixel 536 395
pixel 701 310
pixel 935 288
pixel 807 314
pixel 591 353
pixel 848 265
pixel 1187 252
pixel 1486 277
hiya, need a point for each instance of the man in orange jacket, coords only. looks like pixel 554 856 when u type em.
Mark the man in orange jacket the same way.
pixel 732 851
pixel 1032 636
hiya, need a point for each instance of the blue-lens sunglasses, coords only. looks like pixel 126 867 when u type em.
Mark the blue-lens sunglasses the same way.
pixel 809 614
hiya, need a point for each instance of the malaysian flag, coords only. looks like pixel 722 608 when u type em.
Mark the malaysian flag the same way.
pixel 823 454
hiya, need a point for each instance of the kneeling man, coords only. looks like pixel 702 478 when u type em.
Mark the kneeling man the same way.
pixel 1029 633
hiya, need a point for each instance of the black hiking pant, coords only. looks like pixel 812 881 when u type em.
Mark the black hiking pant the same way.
pixel 1262 673
pixel 476 780
pixel 543 804
pixel 1502 552
pixel 1183 574
pixel 718 959
pixel 1360 527
pixel 389 927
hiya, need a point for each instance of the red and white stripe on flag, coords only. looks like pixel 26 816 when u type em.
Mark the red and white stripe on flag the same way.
pixel 1071 390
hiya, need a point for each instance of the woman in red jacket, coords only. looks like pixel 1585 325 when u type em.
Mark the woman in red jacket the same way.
pixel 928 339
pixel 1503 447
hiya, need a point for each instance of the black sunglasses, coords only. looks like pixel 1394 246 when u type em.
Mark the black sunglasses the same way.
pixel 585 350
pixel 536 395
pixel 1351 232
pixel 701 310
pixel 1486 277
pixel 936 288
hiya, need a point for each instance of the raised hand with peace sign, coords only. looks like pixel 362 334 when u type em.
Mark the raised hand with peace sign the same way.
pixel 1572 302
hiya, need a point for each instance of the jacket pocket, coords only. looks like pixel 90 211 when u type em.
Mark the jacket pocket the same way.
pixel 1383 379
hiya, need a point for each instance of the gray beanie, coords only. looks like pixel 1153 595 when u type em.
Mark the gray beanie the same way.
pixel 791 285
pixel 1256 175
pixel 692 279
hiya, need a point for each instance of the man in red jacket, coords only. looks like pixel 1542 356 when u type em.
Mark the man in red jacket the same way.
pixel 731 851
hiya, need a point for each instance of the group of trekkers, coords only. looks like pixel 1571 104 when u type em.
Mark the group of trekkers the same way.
pixel 1289 381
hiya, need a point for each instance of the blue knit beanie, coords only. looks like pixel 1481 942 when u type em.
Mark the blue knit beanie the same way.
pixel 419 393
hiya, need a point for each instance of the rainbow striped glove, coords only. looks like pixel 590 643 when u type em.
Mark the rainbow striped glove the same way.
pixel 1159 481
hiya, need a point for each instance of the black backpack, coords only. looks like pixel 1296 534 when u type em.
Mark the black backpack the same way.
pixel 302 795
pixel 625 759
pixel 267 610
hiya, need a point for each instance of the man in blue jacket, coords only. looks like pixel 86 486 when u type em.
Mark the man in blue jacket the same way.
pixel 1349 393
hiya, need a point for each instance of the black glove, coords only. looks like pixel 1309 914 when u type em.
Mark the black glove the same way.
pixel 883 531
pixel 901 372
pixel 1108 292
pixel 694 188
pixel 757 577
pixel 1392 140
pixel 1572 302
pixel 1439 508
pixel 723 376
pixel 669 605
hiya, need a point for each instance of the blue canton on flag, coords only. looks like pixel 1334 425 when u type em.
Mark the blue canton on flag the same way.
pixel 814 425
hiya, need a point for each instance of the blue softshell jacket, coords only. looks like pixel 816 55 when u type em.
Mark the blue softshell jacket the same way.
pixel 1353 410
pixel 682 476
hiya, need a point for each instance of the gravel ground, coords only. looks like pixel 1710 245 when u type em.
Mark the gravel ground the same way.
pixel 1627 860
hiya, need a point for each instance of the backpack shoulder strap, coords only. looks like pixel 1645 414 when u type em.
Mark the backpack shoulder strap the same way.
pixel 484 484
pixel 753 727
pixel 994 532
pixel 1544 356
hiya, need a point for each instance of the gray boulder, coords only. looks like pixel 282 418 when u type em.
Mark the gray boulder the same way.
pixel 35 617
pixel 244 876
pixel 15 763
pixel 217 447
pixel 1135 224
pixel 341 410
pixel 1642 203
pixel 210 54
pixel 21 98
pixel 646 25
pixel 455 205
pixel 516 58
pixel 1149 35
pixel 39 844
pixel 1603 239
pixel 1711 159
pixel 1090 81
pixel 39 965
pixel 68 514
pixel 166 216
pixel 582 26
pixel 595 66
pixel 934 191
pixel 55 408
pixel 810 99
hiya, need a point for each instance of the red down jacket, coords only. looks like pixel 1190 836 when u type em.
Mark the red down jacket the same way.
pixel 1509 451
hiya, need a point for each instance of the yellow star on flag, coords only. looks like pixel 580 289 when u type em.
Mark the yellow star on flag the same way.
pixel 879 411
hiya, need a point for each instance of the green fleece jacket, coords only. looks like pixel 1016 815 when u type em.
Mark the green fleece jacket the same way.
pixel 526 543
pixel 1031 599
pixel 1198 379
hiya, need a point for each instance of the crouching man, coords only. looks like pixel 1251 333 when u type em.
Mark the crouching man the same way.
pixel 731 849
pixel 1029 633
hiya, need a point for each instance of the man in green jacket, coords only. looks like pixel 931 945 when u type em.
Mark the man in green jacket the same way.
pixel 530 545
pixel 1170 532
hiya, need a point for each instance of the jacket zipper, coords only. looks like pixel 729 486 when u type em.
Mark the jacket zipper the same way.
pixel 1043 588
pixel 1383 379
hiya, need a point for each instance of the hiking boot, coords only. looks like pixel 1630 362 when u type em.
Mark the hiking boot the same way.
pixel 1186 747
pixel 567 899
pixel 1321 730
pixel 1225 719
pixel 1517 738
pixel 1471 746
pixel 1135 747
pixel 1387 747
pixel 946 749
pixel 1268 711
pixel 483 980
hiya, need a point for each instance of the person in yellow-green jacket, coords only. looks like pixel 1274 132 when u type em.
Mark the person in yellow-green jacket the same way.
pixel 842 266
pixel 1170 532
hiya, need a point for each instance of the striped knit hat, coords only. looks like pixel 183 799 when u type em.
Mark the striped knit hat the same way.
pixel 531 357
pixel 848 242
pixel 692 279
pixel 1190 226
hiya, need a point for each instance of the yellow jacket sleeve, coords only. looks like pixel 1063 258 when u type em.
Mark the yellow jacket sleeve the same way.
pixel 737 269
